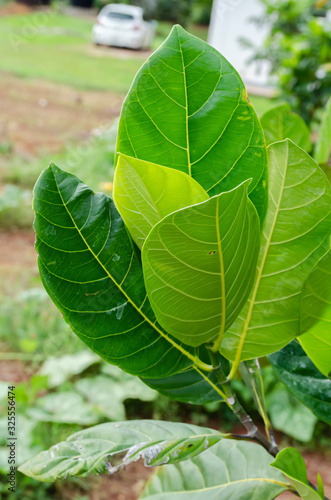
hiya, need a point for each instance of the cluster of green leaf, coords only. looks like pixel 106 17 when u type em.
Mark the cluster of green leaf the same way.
pixel 298 49
pixel 203 265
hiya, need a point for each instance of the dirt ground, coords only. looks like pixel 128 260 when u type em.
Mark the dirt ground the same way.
pixel 39 116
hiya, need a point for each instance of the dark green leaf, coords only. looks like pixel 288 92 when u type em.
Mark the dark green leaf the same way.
pixel 191 386
pixel 302 378
pixel 188 109
pixel 90 271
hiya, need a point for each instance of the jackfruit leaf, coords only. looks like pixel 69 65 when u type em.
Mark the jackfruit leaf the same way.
pixel 292 464
pixel 199 265
pixel 184 109
pixel 144 193
pixel 91 272
pixel 303 379
pixel 191 386
pixel 316 315
pixel 229 470
pixel 88 451
pixel 281 123
pixel 294 239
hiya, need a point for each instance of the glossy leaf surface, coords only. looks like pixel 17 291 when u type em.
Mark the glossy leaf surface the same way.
pixel 188 387
pixel 323 145
pixel 199 264
pixel 281 123
pixel 91 273
pixel 192 386
pixel 303 379
pixel 297 224
pixel 292 464
pixel 316 315
pixel 144 193
pixel 185 106
pixel 229 470
pixel 88 451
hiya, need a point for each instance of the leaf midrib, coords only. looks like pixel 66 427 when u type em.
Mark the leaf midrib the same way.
pixel 236 362
pixel 138 309
pixel 219 339
pixel 186 109
pixel 230 483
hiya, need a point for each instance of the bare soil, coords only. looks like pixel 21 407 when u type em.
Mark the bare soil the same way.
pixel 39 116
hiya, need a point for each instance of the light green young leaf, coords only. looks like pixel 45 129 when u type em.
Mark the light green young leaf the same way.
pixel 323 145
pixel 144 193
pixel 199 265
pixel 320 487
pixel 183 111
pixel 316 315
pixel 292 464
pixel 88 451
pixel 230 469
pixel 293 240
pixel 90 270
pixel 281 123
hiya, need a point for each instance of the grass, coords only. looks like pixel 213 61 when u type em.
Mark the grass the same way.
pixel 58 48
pixel 92 161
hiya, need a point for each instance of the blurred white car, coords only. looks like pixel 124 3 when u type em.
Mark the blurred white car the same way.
pixel 123 25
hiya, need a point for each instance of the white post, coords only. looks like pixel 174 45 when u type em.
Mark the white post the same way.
pixel 230 22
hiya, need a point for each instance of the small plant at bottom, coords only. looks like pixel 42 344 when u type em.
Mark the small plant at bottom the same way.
pixel 215 252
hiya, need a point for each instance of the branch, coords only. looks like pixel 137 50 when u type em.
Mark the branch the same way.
pixel 232 402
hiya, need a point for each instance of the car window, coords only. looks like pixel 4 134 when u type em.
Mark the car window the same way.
pixel 120 15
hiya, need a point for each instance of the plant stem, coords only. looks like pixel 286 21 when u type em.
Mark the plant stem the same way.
pixel 253 432
pixel 252 375
pixel 233 403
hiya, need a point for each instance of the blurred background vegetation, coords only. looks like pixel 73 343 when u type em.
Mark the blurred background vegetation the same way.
pixel 60 101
